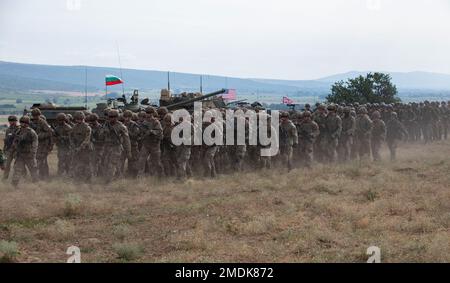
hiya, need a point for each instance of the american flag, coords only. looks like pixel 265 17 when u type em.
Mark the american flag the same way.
pixel 287 100
pixel 230 94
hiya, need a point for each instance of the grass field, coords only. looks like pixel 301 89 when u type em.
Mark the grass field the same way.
pixel 327 214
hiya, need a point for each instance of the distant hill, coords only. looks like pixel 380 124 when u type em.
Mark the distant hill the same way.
pixel 18 77
pixel 31 76
pixel 410 80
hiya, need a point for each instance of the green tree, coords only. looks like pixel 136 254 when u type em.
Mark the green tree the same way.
pixel 372 88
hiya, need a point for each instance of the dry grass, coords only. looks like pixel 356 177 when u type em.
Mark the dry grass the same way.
pixel 327 214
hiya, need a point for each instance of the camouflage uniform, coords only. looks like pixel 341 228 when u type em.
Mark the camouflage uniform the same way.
pixel 62 132
pixel 265 161
pixel 429 117
pixel 183 154
pixel 151 143
pixel 2 160
pixel 117 142
pixel 209 153
pixel 7 145
pixel 395 131
pixel 169 151
pixel 320 117
pixel 378 135
pixel 445 119
pixel 409 119
pixel 346 139
pixel 307 130
pixel 45 134
pixel 195 161
pixel 98 142
pixel 287 140
pixel 134 133
pixel 363 132
pixel 81 147
pixel 238 150
pixel 333 129
pixel 25 144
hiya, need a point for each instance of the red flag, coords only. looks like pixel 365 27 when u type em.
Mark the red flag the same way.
pixel 230 94
pixel 287 100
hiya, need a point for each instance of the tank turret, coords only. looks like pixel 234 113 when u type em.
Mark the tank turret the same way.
pixel 187 101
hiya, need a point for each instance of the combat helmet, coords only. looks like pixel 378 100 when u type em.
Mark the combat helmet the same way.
pixel 127 114
pixel 362 110
pixel 61 117
pixel 113 113
pixel 376 115
pixel 25 120
pixel 36 112
pixel 78 115
pixel 12 118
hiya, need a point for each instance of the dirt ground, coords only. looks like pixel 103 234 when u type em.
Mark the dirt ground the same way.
pixel 327 214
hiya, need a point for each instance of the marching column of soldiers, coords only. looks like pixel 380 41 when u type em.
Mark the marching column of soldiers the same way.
pixel 135 145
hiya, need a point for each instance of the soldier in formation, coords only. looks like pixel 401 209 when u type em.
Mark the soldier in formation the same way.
pixel 140 144
pixel 8 151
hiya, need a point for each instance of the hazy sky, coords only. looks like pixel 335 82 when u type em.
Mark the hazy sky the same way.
pixel 287 39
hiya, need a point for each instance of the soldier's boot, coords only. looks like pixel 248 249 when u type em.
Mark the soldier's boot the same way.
pixel 7 167
pixel 289 165
pixel 393 153
pixel 6 174
pixel 15 183
pixel 213 171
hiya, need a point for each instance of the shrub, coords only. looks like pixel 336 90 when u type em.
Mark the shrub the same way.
pixel 127 251
pixel 8 251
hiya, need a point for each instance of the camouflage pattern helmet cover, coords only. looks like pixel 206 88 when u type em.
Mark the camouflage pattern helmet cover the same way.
pixel 127 114
pixel 376 115
pixel 12 118
pixel 78 115
pixel 150 110
pixel 162 111
pixel 25 119
pixel 93 117
pixel 284 114
pixel 113 113
pixel 362 110
pixel 61 117
pixel 36 112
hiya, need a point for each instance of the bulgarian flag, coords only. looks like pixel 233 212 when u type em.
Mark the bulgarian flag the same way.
pixel 113 80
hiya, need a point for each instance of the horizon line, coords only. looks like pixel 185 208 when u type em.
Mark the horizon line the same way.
pixel 233 77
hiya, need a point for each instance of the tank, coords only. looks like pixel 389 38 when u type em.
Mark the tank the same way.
pixel 50 110
pixel 121 104
pixel 186 100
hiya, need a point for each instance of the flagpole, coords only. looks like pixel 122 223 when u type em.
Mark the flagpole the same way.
pixel 85 87
pixel 120 65
pixel 168 81
pixel 201 85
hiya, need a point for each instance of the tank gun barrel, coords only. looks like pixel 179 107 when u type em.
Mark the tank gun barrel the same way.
pixel 182 103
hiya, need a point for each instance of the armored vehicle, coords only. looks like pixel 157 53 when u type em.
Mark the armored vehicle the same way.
pixel 186 100
pixel 50 110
